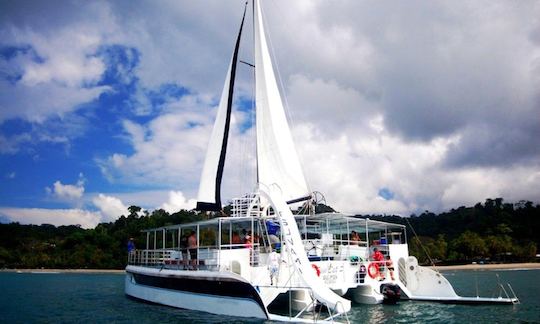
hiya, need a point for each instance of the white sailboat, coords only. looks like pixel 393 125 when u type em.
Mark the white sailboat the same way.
pixel 311 261
pixel 218 273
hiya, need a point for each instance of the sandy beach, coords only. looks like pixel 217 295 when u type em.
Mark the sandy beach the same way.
pixel 92 271
pixel 505 266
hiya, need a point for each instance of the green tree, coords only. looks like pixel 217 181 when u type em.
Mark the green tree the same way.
pixel 498 245
pixel 526 251
pixel 134 211
pixel 438 248
pixel 469 245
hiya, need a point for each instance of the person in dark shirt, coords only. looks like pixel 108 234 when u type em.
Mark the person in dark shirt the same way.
pixel 192 246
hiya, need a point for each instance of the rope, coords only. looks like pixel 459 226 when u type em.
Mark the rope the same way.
pixel 421 245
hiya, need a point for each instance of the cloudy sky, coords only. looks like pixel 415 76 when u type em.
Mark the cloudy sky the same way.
pixel 396 107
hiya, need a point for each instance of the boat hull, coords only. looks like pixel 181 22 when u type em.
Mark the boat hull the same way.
pixel 366 294
pixel 207 292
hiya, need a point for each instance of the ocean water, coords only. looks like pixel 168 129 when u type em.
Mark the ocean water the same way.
pixel 99 298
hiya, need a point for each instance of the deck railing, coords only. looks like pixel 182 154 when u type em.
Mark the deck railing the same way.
pixel 377 270
pixel 337 250
pixel 207 258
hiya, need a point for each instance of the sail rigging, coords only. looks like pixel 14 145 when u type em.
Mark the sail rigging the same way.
pixel 209 198
pixel 277 159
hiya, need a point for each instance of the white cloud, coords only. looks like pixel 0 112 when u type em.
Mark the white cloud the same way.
pixel 146 199
pixel 466 187
pixel 10 145
pixel 177 201
pixel 39 102
pixel 57 217
pixel 110 207
pixel 353 154
pixel 168 150
pixel 430 100
pixel 67 191
pixel 172 51
pixel 70 66
pixel 59 67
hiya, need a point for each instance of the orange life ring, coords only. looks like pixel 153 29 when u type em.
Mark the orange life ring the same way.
pixel 317 270
pixel 373 270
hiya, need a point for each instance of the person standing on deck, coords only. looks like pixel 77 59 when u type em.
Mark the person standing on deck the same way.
pixel 131 250
pixel 248 244
pixel 273 266
pixel 192 248
pixel 379 258
pixel 184 249
pixel 131 246
pixel 390 267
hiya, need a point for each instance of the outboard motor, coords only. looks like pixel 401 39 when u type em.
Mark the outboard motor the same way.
pixel 391 293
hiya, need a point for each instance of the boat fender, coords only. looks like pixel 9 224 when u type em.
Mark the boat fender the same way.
pixel 373 270
pixel 317 269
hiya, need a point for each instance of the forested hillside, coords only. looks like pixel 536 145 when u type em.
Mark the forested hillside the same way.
pixel 492 231
pixel 104 247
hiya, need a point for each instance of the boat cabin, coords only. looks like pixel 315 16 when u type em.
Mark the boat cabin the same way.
pixel 240 242
pixel 335 236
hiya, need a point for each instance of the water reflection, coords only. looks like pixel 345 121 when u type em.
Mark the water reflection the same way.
pixel 404 312
pixel 70 298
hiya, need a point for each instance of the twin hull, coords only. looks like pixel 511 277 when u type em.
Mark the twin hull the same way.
pixel 207 291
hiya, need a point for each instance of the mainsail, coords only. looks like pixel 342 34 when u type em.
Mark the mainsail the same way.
pixel 277 160
pixel 209 197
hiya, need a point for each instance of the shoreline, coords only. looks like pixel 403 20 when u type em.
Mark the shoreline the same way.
pixel 85 271
pixel 501 266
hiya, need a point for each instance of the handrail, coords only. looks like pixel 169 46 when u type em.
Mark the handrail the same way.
pixel 207 256
pixel 513 292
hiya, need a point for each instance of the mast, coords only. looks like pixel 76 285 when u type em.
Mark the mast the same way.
pixel 255 85
pixel 209 198
pixel 277 160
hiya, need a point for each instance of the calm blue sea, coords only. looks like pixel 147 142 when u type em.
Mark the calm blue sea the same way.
pixel 99 298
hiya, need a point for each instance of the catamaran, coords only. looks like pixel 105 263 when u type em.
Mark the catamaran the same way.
pixel 264 258
pixel 221 272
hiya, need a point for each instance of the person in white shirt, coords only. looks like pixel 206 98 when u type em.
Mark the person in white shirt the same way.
pixel 273 265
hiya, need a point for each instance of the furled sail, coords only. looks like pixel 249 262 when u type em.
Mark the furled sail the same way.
pixel 277 160
pixel 209 198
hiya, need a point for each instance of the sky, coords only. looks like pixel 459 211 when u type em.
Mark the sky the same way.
pixel 395 107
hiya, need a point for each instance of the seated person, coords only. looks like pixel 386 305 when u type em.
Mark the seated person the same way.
pixel 355 238
pixel 236 240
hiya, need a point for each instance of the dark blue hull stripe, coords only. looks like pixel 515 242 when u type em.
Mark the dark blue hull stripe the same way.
pixel 207 286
